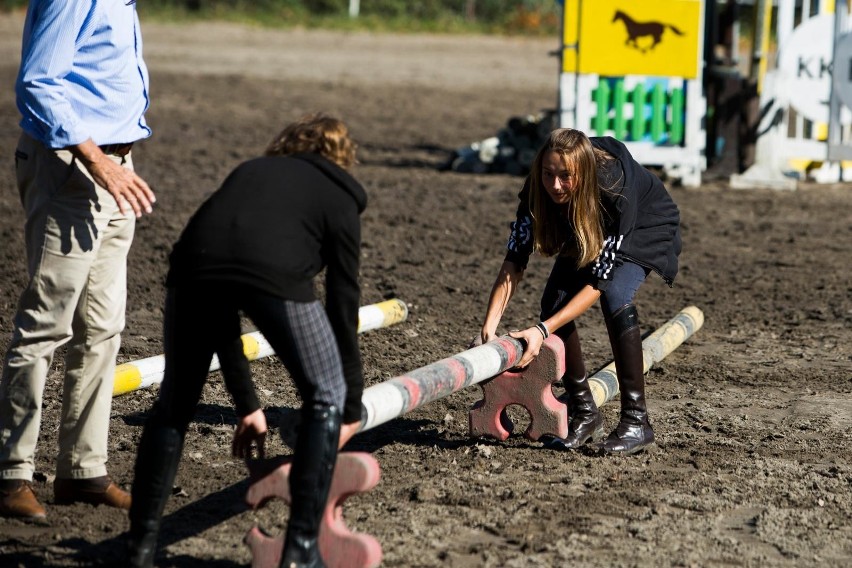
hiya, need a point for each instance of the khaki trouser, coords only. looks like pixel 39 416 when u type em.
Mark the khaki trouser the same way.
pixel 77 243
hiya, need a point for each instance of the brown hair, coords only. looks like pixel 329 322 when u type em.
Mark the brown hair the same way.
pixel 316 134
pixel 584 209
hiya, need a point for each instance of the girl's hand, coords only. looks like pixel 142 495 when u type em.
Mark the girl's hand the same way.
pixel 251 431
pixel 533 339
pixel 346 433
pixel 484 337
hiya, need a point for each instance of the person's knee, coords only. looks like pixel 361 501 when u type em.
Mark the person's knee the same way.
pixel 162 416
pixel 103 330
pixel 318 409
pixel 621 291
pixel 623 318
pixel 615 300
pixel 327 397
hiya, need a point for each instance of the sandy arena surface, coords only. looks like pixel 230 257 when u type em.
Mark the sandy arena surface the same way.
pixel 752 414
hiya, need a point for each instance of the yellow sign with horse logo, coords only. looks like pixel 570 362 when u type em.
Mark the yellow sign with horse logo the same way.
pixel 617 37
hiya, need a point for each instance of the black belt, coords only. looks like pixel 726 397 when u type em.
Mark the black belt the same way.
pixel 117 149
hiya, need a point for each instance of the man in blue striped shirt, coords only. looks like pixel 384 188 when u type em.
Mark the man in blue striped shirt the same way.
pixel 82 90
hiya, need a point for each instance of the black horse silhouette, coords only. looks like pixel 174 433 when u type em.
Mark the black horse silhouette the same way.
pixel 637 30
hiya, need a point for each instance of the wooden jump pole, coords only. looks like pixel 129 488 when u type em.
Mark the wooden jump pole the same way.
pixel 385 401
pixel 655 348
pixel 149 371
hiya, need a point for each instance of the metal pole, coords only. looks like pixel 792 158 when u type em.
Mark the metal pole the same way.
pixel 754 83
pixel 568 52
pixel 354 8
pixel 761 42
pixel 834 142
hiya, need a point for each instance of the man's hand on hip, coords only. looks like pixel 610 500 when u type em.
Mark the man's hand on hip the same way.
pixel 129 190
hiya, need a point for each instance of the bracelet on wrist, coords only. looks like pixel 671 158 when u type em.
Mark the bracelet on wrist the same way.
pixel 543 329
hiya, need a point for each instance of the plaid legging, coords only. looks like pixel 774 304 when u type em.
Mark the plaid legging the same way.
pixel 204 320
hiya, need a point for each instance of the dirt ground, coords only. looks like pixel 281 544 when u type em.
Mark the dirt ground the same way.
pixel 752 414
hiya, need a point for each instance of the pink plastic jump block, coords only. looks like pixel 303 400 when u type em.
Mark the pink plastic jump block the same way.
pixel 355 472
pixel 531 388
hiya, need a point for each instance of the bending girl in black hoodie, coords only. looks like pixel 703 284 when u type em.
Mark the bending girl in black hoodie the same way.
pixel 255 247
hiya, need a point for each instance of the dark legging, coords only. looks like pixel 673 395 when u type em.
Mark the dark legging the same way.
pixel 205 319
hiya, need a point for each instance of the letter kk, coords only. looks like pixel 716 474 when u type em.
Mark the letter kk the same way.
pixel 804 70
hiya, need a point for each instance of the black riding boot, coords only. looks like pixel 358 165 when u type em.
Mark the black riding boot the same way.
pixel 634 432
pixel 585 422
pixel 154 475
pixel 310 478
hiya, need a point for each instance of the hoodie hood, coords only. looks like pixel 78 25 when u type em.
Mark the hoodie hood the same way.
pixel 338 175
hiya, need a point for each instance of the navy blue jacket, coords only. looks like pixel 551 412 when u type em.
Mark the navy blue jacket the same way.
pixel 641 220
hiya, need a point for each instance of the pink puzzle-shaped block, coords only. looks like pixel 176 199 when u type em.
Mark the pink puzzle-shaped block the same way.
pixel 531 388
pixel 355 472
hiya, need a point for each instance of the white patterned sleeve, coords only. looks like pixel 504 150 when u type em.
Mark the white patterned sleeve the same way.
pixel 606 261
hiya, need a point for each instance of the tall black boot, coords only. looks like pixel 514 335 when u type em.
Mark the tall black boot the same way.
pixel 154 475
pixel 310 479
pixel 634 432
pixel 585 422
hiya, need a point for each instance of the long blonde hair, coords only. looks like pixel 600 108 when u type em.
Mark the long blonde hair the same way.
pixel 583 210
pixel 316 134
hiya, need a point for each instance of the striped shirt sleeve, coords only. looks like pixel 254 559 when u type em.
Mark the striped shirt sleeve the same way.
pixel 521 241
pixel 607 259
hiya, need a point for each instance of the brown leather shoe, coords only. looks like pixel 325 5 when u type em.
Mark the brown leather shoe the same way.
pixel 17 499
pixel 94 491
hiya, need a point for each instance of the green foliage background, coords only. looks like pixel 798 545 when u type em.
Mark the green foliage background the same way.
pixel 522 17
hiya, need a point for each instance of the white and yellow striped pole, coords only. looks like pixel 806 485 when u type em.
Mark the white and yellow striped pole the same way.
pixel 655 348
pixel 149 371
